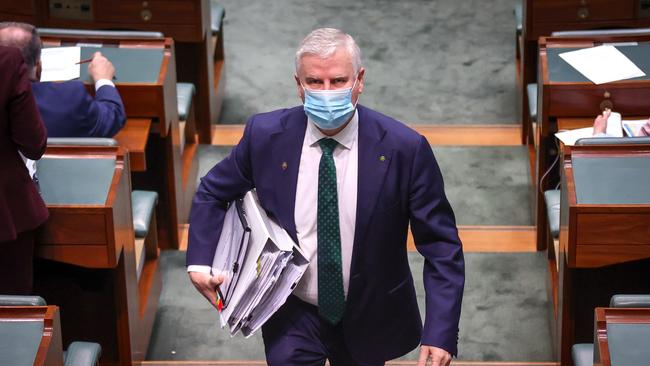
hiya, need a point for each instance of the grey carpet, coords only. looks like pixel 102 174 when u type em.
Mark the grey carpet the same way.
pixel 503 314
pixel 442 61
pixel 485 185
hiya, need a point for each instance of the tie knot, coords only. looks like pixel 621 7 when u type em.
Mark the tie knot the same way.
pixel 327 145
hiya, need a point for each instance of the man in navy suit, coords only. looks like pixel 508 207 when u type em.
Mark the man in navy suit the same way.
pixel 345 182
pixel 66 107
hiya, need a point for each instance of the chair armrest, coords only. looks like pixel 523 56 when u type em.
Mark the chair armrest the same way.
pixel 16 300
pixel 630 301
pixel 83 354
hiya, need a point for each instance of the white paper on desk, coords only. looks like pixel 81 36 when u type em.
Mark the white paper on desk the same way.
pixel 60 63
pixel 633 127
pixel 570 137
pixel 602 64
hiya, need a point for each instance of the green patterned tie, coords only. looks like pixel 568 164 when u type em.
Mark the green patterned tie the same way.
pixel 331 299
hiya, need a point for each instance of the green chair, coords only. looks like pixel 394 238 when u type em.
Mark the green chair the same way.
pixel 583 353
pixel 78 353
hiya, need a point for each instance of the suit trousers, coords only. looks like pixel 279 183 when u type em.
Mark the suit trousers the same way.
pixel 16 264
pixel 297 336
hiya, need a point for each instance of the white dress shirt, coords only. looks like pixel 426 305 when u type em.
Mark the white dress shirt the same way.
pixel 346 159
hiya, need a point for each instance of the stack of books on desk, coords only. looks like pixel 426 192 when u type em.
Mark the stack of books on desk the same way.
pixel 261 265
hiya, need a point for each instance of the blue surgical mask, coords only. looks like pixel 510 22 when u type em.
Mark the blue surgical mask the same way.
pixel 329 109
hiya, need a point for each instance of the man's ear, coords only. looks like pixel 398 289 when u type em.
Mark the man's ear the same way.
pixel 361 79
pixel 38 69
pixel 301 91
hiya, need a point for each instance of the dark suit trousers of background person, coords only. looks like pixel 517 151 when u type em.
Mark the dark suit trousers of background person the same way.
pixel 16 264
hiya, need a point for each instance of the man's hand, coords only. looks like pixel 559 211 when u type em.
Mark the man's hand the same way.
pixel 438 356
pixel 207 285
pixel 100 68
pixel 600 123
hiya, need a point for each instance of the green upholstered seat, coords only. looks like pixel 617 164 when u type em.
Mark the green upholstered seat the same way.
pixel 82 354
pixel 81 141
pixel 630 301
pixel 519 17
pixel 552 200
pixel 80 181
pixel 143 205
pixel 583 354
pixel 531 89
pixel 184 94
pixel 19 300
pixel 217 12
pixel 98 33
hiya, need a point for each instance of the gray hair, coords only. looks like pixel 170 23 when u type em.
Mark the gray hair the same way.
pixel 323 42
pixel 25 38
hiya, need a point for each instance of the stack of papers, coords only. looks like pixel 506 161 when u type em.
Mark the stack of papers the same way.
pixel 261 265
pixel 633 127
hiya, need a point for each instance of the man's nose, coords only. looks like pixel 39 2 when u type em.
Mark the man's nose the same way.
pixel 327 85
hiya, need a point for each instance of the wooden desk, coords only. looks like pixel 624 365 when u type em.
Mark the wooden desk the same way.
pixel 31 334
pixel 133 136
pixel 541 18
pixel 565 93
pixel 604 245
pixel 86 251
pixel 186 21
pixel 146 80
pixel 622 337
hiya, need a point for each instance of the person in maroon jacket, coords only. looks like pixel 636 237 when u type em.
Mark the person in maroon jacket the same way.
pixel 22 209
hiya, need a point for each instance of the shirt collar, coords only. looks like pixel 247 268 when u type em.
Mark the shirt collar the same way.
pixel 346 137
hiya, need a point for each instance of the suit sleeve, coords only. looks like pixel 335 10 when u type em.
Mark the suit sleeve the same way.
pixel 108 113
pixel 27 129
pixel 436 238
pixel 228 180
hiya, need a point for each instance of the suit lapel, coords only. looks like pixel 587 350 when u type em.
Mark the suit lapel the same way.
pixel 286 151
pixel 374 160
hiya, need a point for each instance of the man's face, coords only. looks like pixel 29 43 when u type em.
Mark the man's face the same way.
pixel 334 72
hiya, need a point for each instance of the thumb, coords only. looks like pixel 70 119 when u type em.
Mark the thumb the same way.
pixel 217 280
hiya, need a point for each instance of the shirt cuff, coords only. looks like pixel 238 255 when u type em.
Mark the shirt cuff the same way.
pixel 198 268
pixel 101 82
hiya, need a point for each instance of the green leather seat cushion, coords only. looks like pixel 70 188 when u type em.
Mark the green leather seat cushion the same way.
pixel 552 200
pixel 583 354
pixel 82 354
pixel 628 343
pixel 630 301
pixel 217 12
pixel 20 300
pixel 531 90
pixel 81 141
pixel 143 205
pixel 184 94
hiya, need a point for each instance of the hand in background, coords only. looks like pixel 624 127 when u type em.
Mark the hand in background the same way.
pixel 207 285
pixel 600 123
pixel 100 68
pixel 438 356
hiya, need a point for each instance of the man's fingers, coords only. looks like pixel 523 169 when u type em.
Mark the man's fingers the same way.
pixel 424 356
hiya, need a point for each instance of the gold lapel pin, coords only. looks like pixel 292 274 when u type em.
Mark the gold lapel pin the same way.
pixel 284 165
pixel 382 158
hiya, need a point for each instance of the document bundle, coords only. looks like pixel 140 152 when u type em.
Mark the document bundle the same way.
pixel 261 265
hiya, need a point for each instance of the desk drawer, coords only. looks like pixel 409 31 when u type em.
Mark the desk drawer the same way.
pixel 155 12
pixel 555 11
pixel 588 100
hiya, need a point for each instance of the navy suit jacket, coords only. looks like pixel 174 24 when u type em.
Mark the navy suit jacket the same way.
pixel 69 111
pixel 399 184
